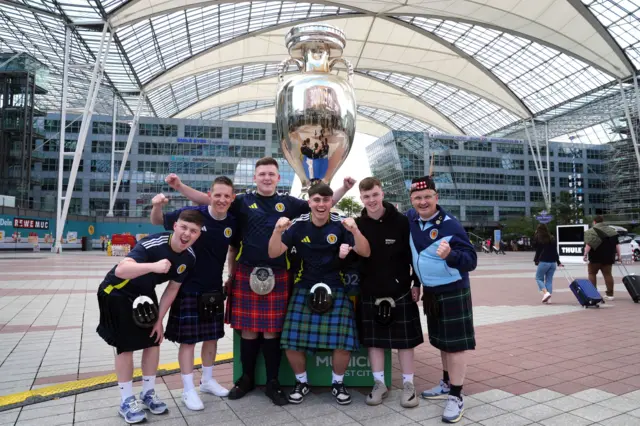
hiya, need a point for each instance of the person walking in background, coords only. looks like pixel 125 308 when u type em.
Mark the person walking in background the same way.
pixel 600 249
pixel 546 259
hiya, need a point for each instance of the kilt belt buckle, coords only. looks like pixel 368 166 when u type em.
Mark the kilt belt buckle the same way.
pixel 320 298
pixel 384 312
pixel 145 312
pixel 209 304
pixel 262 281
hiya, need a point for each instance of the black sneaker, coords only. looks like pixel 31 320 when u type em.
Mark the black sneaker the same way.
pixel 340 393
pixel 243 386
pixel 299 392
pixel 274 391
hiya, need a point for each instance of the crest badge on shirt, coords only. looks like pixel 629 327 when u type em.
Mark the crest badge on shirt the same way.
pixel 433 234
pixel 182 268
pixel 331 238
pixel 280 207
pixel 228 232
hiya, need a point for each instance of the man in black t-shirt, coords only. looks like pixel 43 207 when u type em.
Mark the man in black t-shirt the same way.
pixel 128 290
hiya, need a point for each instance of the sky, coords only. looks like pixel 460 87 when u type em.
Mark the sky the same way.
pixel 356 166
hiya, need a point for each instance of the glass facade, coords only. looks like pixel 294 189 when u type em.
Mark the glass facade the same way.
pixel 197 150
pixel 481 180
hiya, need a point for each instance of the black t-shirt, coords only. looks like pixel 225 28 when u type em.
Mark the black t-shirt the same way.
pixel 318 249
pixel 150 249
pixel 210 248
pixel 257 216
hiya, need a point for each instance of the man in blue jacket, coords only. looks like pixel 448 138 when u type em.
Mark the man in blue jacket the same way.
pixel 442 260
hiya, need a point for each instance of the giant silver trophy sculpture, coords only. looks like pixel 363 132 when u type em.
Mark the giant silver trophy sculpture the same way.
pixel 315 110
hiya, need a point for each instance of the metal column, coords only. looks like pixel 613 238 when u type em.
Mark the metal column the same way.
pixel 114 122
pixel 92 95
pixel 537 160
pixel 627 114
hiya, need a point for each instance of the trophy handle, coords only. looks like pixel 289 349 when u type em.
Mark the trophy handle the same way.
pixel 346 63
pixel 284 67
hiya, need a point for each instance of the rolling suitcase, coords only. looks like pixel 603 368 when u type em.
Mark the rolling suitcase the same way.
pixel 631 282
pixel 584 291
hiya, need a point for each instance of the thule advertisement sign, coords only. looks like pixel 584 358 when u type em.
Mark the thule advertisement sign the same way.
pixel 570 240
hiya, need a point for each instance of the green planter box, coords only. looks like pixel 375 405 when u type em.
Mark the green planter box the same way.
pixel 318 368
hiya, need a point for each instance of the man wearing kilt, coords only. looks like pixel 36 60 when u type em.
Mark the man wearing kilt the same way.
pixel 320 315
pixel 442 259
pixel 129 313
pixel 197 314
pixel 258 285
pixel 388 314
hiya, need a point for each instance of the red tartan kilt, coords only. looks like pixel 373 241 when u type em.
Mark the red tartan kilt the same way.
pixel 249 311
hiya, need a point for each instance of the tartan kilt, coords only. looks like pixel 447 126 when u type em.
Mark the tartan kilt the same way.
pixel 116 326
pixel 249 311
pixel 185 324
pixel 450 320
pixel 306 331
pixel 404 333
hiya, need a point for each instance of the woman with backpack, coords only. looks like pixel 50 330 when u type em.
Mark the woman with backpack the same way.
pixel 546 259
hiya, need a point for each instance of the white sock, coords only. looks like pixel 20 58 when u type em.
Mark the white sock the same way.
pixel 126 389
pixel 148 383
pixel 407 378
pixel 379 376
pixel 302 378
pixel 207 374
pixel 337 378
pixel 187 382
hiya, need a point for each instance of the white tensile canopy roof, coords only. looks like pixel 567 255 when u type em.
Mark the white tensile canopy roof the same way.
pixel 458 66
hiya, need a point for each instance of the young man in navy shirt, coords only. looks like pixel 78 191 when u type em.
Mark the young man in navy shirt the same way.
pixel 253 314
pixel 443 256
pixel 154 260
pixel 189 323
pixel 321 239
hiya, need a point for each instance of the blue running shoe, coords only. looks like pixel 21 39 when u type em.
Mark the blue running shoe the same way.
pixel 454 410
pixel 131 411
pixel 151 402
pixel 439 392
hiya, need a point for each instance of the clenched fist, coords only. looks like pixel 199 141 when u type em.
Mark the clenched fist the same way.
pixel 282 224
pixel 173 181
pixel 161 266
pixel 443 249
pixel 344 250
pixel 348 182
pixel 350 224
pixel 159 200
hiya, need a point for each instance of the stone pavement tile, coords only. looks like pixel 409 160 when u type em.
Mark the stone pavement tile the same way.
pixel 52 420
pixel 513 404
pixel 569 374
pixel 492 395
pixel 592 381
pixel 542 395
pixel 546 381
pixel 309 409
pixel 9 416
pixel 67 400
pixel 270 420
pixel 567 403
pixel 360 412
pixel 595 413
pixel 221 418
pixel 622 420
pixel 520 388
pixel 501 381
pixel 593 395
pixel 45 412
pixel 568 388
pixel 618 388
pixel 393 419
pixel 621 404
pixel 635 395
pixel 635 380
pixel 566 419
pixel 509 419
pixel 423 412
pixel 438 422
pixel 483 412
pixel 338 418
pixel 539 412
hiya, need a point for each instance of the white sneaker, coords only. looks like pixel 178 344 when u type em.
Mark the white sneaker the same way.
pixel 546 297
pixel 609 298
pixel 213 387
pixel 192 400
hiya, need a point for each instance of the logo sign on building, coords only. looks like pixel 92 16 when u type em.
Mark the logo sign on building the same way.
pixel 572 250
pixel 203 141
pixel 6 222
pixel 23 223
pixel 544 217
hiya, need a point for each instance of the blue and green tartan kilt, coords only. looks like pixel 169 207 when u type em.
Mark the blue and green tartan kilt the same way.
pixel 450 320
pixel 186 325
pixel 306 331
pixel 405 332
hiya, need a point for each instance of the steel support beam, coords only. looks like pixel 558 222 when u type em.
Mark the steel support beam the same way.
pixel 92 95
pixel 127 149
pixel 114 120
pixel 627 113
pixel 537 160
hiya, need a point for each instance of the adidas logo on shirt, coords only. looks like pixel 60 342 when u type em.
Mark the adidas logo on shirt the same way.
pixel 306 240
pixel 253 206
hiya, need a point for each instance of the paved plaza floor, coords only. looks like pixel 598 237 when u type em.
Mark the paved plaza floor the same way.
pixel 553 364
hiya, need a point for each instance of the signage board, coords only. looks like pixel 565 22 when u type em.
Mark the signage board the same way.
pixel 24 223
pixel 570 243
